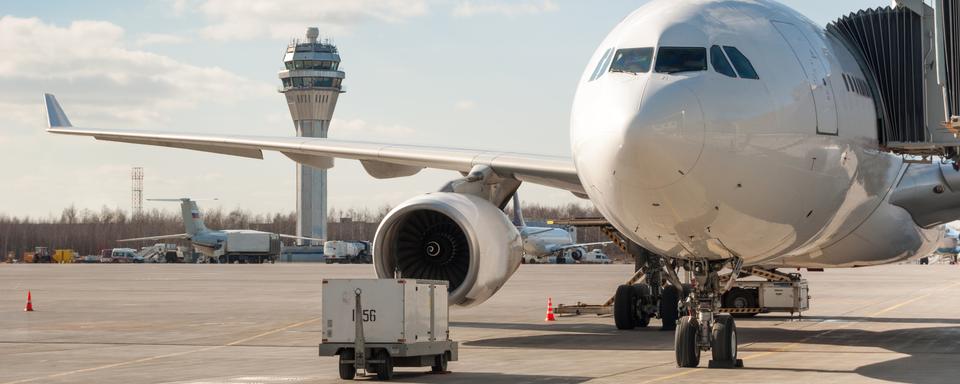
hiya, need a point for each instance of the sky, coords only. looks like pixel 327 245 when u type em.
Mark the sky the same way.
pixel 482 74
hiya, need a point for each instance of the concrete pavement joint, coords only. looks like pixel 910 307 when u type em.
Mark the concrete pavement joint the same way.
pixel 158 357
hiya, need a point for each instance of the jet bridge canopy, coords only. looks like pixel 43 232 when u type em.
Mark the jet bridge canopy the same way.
pixel 910 53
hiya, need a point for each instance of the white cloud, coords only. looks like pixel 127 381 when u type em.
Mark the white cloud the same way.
pixel 179 6
pixel 359 129
pixel 239 20
pixel 89 61
pixel 465 105
pixel 159 39
pixel 469 8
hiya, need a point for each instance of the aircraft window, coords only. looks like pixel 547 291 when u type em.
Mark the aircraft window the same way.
pixel 846 81
pixel 632 60
pixel 601 65
pixel 720 63
pixel 741 63
pixel 681 59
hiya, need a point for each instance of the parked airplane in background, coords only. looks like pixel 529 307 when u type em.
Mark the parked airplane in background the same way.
pixel 225 246
pixel 541 244
pixel 728 133
pixel 948 247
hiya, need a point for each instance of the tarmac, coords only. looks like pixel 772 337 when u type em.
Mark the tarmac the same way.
pixel 261 324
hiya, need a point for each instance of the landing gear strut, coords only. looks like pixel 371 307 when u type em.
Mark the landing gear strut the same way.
pixel 703 329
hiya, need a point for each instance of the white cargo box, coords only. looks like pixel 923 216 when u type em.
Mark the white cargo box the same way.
pixel 401 311
pixel 248 242
pixel 785 296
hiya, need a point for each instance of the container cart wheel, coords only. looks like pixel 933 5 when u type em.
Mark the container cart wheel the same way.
pixel 347 370
pixel 384 369
pixel 439 363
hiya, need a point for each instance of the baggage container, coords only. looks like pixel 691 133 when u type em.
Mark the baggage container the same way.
pixel 376 324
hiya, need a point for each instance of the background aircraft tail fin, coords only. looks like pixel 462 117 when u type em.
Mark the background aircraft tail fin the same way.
pixel 517 212
pixel 56 118
pixel 192 219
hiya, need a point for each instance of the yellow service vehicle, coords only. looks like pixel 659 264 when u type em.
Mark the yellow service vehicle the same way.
pixel 64 256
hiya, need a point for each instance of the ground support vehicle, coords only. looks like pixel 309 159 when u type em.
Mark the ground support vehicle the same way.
pixel 248 247
pixel 374 325
pixel 347 252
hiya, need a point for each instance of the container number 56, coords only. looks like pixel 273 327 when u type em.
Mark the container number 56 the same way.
pixel 368 315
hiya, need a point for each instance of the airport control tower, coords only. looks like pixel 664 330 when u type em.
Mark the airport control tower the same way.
pixel 312 83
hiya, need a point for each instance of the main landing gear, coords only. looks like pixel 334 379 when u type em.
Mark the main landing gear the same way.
pixel 702 328
pixel 635 304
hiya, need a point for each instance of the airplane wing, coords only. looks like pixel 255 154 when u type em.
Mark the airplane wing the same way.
pixel 163 237
pixel 380 160
pixel 300 238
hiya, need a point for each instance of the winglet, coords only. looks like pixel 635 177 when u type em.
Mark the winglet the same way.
pixel 55 116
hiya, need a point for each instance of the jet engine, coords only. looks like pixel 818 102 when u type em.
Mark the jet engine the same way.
pixel 460 238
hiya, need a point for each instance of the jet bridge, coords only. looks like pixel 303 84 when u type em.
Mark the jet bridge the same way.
pixel 910 53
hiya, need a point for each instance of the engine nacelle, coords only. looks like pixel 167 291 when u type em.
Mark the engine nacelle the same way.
pixel 460 238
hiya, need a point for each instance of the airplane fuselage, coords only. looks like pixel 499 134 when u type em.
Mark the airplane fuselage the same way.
pixel 784 169
pixel 543 241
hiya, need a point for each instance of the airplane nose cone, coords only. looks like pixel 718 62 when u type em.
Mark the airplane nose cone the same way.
pixel 663 142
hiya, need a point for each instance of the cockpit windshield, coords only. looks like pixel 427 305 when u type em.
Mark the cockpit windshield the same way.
pixel 681 59
pixel 632 60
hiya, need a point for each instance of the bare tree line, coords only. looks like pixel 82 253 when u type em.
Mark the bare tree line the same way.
pixel 88 231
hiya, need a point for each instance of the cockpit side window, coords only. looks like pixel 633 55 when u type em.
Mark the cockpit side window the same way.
pixel 681 59
pixel 741 63
pixel 632 60
pixel 601 65
pixel 720 63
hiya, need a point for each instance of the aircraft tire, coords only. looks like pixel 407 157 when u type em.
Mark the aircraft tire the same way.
pixel 685 343
pixel 669 308
pixel 642 296
pixel 724 346
pixel 624 308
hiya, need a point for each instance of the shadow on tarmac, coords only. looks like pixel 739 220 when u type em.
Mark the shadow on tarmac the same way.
pixel 478 377
pixel 932 352
pixel 858 319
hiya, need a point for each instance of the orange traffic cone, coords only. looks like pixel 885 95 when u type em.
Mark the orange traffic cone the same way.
pixel 29 307
pixel 550 316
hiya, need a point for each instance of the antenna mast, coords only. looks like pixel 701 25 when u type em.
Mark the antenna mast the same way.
pixel 136 195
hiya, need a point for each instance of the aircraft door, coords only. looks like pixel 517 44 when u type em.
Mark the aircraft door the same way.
pixel 817 75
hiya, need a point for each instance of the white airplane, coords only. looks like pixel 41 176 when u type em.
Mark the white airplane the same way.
pixel 209 241
pixel 715 134
pixel 543 244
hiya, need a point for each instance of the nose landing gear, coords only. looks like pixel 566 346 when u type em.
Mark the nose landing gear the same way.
pixel 703 329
